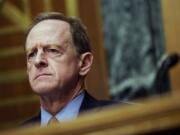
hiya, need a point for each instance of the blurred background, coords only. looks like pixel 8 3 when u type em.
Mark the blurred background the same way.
pixel 136 45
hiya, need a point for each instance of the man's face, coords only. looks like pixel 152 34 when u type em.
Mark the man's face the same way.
pixel 52 62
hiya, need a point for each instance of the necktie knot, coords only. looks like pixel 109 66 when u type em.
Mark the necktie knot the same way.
pixel 53 120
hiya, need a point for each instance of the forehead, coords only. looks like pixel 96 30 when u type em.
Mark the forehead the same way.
pixel 48 32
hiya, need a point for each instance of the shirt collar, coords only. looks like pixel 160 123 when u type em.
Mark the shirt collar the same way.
pixel 69 112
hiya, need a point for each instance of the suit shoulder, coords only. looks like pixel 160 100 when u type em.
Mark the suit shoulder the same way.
pixel 31 121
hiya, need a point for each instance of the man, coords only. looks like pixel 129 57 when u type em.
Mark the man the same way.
pixel 58 59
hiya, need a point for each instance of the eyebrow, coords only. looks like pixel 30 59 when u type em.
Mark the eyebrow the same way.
pixel 29 50
pixel 47 46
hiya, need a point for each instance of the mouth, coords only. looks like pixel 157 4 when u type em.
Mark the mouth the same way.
pixel 42 75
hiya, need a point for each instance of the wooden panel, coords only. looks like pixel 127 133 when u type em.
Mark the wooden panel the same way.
pixel 15 17
pixel 16 89
pixel 59 6
pixel 17 113
pixel 16 103
pixel 153 116
pixel 37 6
pixel 31 109
pixel 97 81
pixel 18 62
pixel 171 18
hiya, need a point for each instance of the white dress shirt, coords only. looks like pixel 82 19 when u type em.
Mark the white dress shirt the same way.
pixel 69 112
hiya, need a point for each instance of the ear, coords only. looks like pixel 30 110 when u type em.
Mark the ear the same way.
pixel 86 60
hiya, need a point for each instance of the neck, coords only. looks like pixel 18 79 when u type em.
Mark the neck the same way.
pixel 54 102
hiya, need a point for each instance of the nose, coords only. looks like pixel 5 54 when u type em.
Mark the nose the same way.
pixel 40 60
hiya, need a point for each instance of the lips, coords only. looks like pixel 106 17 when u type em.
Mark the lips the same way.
pixel 42 75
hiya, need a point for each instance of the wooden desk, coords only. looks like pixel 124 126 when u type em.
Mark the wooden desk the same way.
pixel 152 116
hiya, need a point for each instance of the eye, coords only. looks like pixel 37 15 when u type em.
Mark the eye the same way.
pixel 52 50
pixel 31 54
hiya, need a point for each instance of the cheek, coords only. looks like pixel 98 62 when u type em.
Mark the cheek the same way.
pixel 66 69
pixel 60 69
pixel 29 68
pixel 30 77
pixel 30 72
pixel 64 66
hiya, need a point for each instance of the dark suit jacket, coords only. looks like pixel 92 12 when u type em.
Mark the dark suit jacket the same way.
pixel 88 103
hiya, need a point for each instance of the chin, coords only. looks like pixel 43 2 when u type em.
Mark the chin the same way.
pixel 44 89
